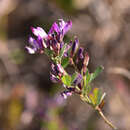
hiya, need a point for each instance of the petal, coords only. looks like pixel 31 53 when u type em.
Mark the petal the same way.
pixel 67 27
pixel 62 24
pixel 65 94
pixel 53 78
pixel 53 69
pixel 39 42
pixel 54 28
pixel 30 50
pixel 60 68
pixel 39 32
pixel 44 44
pixel 33 42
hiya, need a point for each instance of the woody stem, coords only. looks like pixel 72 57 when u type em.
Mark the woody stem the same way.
pixel 105 119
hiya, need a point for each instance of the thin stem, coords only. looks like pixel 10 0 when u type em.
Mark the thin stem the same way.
pixel 105 119
pixel 72 63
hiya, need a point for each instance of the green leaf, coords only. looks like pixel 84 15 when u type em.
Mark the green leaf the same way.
pixel 65 62
pixel 87 81
pixel 48 52
pixel 88 76
pixel 84 90
pixel 91 97
pixel 96 97
pixel 95 74
pixel 62 51
pixel 66 79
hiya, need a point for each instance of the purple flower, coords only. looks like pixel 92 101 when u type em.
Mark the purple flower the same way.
pixel 53 78
pixel 64 26
pixel 54 44
pixel 39 32
pixel 65 94
pixel 67 49
pixel 78 79
pixel 35 45
pixel 74 47
pixel 53 40
pixel 80 53
pixel 57 70
pixel 54 28
pixel 62 29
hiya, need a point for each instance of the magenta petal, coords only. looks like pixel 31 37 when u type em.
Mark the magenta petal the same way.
pixel 60 68
pixel 64 26
pixel 65 94
pixel 39 32
pixel 54 28
pixel 67 27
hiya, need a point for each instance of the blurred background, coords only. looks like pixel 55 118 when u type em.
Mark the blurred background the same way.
pixel 28 99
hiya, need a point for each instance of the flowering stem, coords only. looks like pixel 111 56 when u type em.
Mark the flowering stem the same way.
pixel 62 54
pixel 105 119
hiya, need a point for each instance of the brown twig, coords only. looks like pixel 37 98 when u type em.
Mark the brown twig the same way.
pixel 105 119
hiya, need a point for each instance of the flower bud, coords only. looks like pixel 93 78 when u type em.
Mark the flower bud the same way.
pixel 80 56
pixel 57 70
pixel 80 53
pixel 74 47
pixel 53 78
pixel 65 94
pixel 77 80
pixel 85 63
pixel 67 48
